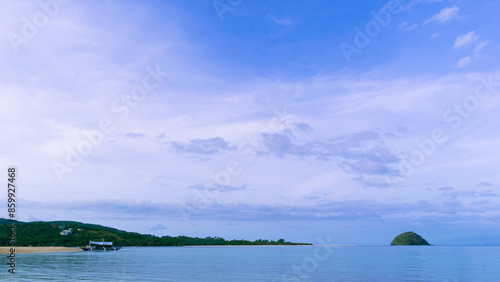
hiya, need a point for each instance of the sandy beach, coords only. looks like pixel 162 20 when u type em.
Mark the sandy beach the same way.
pixel 19 250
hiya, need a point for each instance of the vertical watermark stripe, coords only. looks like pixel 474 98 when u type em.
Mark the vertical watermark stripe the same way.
pixel 12 188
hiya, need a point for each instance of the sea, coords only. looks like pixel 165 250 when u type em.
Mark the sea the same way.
pixel 263 263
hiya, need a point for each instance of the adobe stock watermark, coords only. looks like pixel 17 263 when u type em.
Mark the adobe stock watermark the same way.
pixel 249 148
pixel 363 37
pixel 48 9
pixel 454 119
pixel 310 264
pixel 121 109
pixel 223 6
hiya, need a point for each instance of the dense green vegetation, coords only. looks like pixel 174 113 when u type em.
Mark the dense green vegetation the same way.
pixel 48 234
pixel 409 238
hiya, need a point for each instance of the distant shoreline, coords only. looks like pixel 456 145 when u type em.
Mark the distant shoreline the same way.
pixel 23 250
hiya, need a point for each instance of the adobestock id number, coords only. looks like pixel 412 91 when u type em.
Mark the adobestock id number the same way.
pixel 11 191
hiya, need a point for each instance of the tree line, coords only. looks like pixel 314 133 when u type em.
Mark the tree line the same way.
pixel 40 234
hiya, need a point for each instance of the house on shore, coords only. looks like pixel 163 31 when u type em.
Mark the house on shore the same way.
pixel 67 232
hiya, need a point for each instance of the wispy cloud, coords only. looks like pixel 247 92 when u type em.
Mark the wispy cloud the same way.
pixel 217 187
pixel 201 146
pixel 360 153
pixel 444 15
pixel 464 62
pixel 472 194
pixel 435 34
pixel 283 21
pixel 479 46
pixel 407 26
pixel 134 135
pixel 446 188
pixel 466 40
pixel 158 227
pixel 359 210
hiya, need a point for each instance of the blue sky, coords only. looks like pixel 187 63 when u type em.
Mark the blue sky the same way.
pixel 256 119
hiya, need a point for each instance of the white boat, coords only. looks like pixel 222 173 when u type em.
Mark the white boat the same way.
pixel 100 246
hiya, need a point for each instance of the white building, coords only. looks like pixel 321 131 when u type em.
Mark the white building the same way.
pixel 67 232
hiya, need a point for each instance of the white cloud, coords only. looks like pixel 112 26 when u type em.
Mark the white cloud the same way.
pixel 464 62
pixel 284 21
pixel 466 40
pixel 413 3
pixel 444 15
pixel 479 46
pixel 407 26
pixel 435 34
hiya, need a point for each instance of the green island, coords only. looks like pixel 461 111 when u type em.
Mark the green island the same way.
pixel 73 233
pixel 409 238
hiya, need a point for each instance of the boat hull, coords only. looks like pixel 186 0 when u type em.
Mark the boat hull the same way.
pixel 100 249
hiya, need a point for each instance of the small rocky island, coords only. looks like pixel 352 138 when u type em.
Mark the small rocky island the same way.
pixel 409 238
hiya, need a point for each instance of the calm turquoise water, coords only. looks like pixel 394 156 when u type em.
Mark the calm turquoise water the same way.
pixel 264 263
